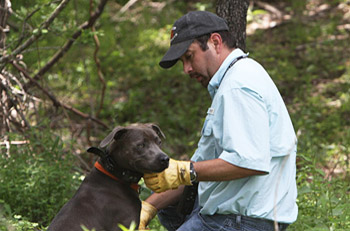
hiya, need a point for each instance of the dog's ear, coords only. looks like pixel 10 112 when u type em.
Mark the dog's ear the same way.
pixel 115 134
pixel 96 151
pixel 120 133
pixel 157 130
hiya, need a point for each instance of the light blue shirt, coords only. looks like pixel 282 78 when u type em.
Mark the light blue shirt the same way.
pixel 248 125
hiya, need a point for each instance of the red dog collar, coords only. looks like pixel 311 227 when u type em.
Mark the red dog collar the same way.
pixel 99 167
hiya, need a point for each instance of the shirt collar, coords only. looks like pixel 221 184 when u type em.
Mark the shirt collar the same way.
pixel 217 78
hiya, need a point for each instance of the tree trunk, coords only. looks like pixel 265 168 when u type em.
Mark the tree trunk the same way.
pixel 4 13
pixel 235 13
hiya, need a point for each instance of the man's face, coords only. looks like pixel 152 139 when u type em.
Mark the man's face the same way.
pixel 198 64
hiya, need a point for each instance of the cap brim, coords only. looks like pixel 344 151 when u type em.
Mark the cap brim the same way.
pixel 174 53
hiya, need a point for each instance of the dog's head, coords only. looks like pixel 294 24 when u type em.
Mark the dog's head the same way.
pixel 137 147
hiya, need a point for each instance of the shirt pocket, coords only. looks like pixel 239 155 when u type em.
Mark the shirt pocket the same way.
pixel 207 129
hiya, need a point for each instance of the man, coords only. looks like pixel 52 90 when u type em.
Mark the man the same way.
pixel 245 160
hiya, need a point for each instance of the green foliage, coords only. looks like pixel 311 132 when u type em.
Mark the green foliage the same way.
pixel 303 56
pixel 83 227
pixel 131 228
pixel 17 222
pixel 322 204
pixel 36 179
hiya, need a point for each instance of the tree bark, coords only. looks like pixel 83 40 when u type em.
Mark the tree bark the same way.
pixel 235 13
pixel 5 9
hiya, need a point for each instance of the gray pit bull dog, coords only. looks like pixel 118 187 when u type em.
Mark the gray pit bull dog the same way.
pixel 109 196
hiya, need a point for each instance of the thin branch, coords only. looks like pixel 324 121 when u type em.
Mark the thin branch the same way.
pixel 34 37
pixel 98 64
pixel 6 8
pixel 6 87
pixel 39 8
pixel 19 142
pixel 25 24
pixel 55 101
pixel 5 124
pixel 70 42
pixel 269 7
pixel 127 6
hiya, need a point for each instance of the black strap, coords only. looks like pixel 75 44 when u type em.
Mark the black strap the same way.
pixel 233 63
pixel 107 161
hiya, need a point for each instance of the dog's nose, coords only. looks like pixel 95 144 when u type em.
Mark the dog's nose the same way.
pixel 164 159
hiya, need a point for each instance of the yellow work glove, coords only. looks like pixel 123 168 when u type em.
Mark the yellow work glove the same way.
pixel 178 173
pixel 148 211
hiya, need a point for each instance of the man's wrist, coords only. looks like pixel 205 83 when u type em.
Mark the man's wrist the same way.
pixel 193 174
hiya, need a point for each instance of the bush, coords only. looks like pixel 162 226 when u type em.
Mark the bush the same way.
pixel 323 204
pixel 36 179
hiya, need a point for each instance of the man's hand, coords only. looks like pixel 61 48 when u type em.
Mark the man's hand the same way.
pixel 148 212
pixel 178 173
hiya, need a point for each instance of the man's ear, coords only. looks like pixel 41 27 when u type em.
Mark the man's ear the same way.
pixel 216 40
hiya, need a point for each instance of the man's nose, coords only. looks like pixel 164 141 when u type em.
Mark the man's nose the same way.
pixel 187 67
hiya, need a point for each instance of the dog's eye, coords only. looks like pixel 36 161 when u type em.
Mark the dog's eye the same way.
pixel 158 141
pixel 140 146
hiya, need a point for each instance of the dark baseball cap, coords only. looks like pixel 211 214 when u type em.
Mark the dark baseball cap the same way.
pixel 186 29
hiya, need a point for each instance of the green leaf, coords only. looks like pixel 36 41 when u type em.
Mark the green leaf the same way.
pixel 337 212
pixel 131 228
pixel 304 189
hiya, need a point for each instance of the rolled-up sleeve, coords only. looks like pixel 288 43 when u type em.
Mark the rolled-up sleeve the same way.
pixel 241 128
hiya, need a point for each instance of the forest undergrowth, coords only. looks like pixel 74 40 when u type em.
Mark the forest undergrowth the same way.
pixel 304 45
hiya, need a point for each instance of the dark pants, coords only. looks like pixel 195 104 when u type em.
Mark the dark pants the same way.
pixel 171 220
